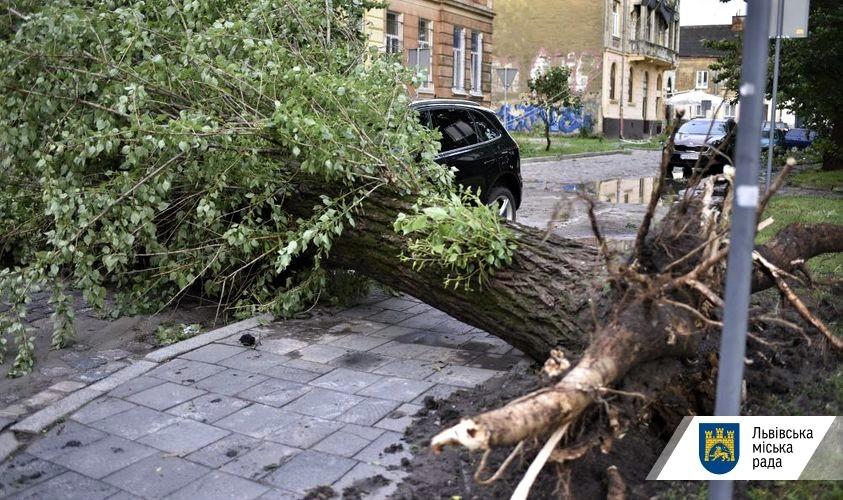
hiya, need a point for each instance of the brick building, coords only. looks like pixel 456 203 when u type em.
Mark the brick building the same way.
pixel 450 40
pixel 620 53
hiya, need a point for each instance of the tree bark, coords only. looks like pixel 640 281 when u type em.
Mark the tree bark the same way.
pixel 554 293
pixel 558 293
pixel 539 302
pixel 833 160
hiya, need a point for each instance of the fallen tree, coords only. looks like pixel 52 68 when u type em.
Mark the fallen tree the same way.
pixel 237 150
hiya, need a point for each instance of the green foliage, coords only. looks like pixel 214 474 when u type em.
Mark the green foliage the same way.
pixel 550 91
pixel 216 148
pixel 809 77
pixel 459 235
pixel 345 288
pixel 170 333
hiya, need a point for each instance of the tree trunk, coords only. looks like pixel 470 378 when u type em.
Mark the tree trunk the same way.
pixel 560 293
pixel 554 293
pixel 537 303
pixel 833 159
pixel 547 121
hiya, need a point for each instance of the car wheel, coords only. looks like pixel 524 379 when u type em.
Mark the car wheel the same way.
pixel 502 198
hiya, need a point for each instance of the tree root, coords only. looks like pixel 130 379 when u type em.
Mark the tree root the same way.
pixel 797 303
pixel 523 488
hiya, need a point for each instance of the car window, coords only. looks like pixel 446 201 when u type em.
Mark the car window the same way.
pixel 424 118
pixel 702 127
pixel 455 126
pixel 485 129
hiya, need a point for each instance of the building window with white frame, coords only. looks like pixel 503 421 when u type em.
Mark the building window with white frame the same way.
pixel 392 42
pixel 422 56
pixel 728 110
pixel 616 19
pixel 476 63
pixel 459 59
pixel 702 80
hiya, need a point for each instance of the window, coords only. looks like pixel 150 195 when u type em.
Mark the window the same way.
pixel 616 19
pixel 421 57
pixel 631 82
pixel 476 63
pixel 486 130
pixel 393 33
pixel 459 58
pixel 612 78
pixel 455 127
pixel 728 110
pixel 702 80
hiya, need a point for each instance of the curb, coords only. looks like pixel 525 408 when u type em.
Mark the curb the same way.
pixel 49 415
pixel 8 445
pixel 546 159
pixel 179 348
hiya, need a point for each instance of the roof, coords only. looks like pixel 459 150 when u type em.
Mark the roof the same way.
pixel 691 39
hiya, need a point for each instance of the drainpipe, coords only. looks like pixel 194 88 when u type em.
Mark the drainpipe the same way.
pixel 623 65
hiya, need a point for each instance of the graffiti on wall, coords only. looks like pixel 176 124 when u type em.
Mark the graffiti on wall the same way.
pixel 523 118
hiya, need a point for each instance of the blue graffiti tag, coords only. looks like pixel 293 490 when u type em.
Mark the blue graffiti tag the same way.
pixel 522 118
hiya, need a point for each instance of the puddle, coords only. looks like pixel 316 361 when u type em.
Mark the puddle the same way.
pixel 627 191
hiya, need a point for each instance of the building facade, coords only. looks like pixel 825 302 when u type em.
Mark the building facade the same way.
pixel 449 41
pixel 620 53
pixel 694 72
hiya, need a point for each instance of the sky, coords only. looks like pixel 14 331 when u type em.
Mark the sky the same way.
pixel 697 12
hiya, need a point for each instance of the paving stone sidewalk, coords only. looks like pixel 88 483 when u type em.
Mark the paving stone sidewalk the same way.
pixel 321 401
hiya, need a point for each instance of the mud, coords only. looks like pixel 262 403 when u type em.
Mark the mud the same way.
pixel 787 377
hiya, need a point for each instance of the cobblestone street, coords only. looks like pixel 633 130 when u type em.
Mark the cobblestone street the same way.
pixel 625 178
pixel 321 401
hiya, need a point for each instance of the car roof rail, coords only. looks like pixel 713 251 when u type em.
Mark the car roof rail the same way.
pixel 453 102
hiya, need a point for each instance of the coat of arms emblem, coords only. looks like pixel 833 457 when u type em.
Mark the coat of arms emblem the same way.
pixel 719 447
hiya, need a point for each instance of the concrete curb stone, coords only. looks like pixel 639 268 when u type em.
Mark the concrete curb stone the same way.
pixel 8 445
pixel 171 351
pixel 551 158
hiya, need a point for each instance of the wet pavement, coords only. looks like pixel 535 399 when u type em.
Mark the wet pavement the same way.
pixel 317 402
pixel 620 184
pixel 322 401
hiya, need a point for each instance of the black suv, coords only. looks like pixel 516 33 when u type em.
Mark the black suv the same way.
pixel 477 144
pixel 703 143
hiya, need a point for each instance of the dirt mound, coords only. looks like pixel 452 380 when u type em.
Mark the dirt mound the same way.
pixel 785 375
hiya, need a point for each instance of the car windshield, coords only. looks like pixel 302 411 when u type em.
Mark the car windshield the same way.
pixel 703 127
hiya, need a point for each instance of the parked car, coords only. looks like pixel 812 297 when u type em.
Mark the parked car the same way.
pixel 477 144
pixel 799 138
pixel 778 139
pixel 705 143
pixel 779 125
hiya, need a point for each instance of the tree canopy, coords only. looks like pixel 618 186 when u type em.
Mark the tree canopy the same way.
pixel 550 90
pixel 810 73
pixel 212 148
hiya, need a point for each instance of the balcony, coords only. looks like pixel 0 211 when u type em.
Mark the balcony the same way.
pixel 652 52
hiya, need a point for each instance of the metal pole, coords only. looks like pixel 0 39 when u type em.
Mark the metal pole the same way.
pixel 505 86
pixel 742 234
pixel 779 22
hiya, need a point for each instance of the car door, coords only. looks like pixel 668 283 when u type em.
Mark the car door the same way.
pixel 459 145
pixel 497 155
